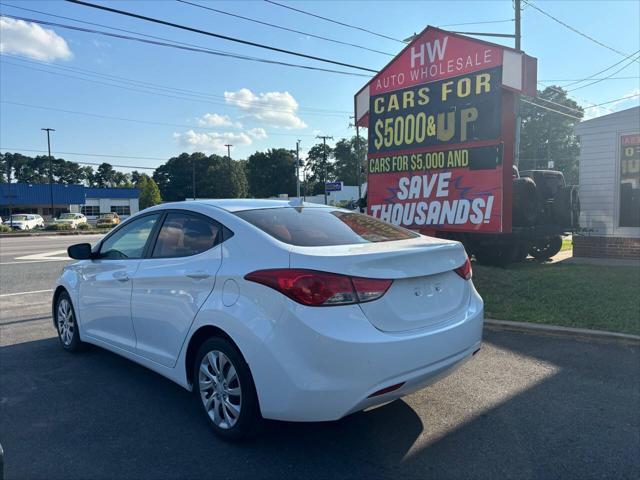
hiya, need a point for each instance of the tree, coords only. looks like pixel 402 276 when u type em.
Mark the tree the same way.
pixel 346 164
pixel 271 173
pixel 105 176
pixel 319 172
pixel 547 135
pixel 216 177
pixel 149 191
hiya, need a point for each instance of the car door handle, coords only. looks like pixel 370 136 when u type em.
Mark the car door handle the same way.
pixel 121 276
pixel 199 275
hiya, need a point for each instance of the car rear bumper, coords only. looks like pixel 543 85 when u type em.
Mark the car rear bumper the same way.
pixel 325 363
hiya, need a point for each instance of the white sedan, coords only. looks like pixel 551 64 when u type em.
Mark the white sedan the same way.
pixel 272 309
pixel 25 221
pixel 72 219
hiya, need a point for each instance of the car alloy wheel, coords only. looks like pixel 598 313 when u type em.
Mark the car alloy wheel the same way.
pixel 66 322
pixel 220 389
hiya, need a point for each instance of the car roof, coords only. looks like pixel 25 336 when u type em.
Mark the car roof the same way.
pixel 240 204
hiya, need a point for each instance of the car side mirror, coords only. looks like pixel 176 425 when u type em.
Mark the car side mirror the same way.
pixel 80 251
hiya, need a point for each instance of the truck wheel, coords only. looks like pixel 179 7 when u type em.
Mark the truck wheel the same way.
pixel 545 248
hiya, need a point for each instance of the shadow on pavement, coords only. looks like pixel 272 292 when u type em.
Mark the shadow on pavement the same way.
pixel 96 415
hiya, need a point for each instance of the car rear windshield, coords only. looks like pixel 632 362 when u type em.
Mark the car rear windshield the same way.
pixel 316 227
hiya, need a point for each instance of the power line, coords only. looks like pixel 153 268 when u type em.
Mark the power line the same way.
pixel 217 35
pixel 592 76
pixel 84 154
pixel 563 92
pixel 173 42
pixel 579 110
pixel 124 119
pixel 477 23
pixel 550 109
pixel 614 101
pixel 280 27
pixel 184 47
pixel 608 76
pixel 335 21
pixel 578 80
pixel 199 95
pixel 198 100
pixel 575 30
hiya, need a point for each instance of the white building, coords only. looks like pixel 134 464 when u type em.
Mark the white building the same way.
pixel 610 186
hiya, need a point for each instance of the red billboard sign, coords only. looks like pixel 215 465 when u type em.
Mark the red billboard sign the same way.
pixel 441 124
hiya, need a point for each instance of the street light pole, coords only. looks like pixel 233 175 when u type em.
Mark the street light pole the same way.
pixel 298 168
pixel 193 176
pixel 228 145
pixel 48 130
pixel 324 162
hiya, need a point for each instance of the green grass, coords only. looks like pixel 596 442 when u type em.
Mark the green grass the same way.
pixel 583 296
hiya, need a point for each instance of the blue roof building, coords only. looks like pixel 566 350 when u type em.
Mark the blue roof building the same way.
pixel 37 198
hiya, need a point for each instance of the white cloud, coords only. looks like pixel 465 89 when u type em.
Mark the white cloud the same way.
pixel 276 109
pixel 215 120
pixel 31 40
pixel 257 133
pixel 215 141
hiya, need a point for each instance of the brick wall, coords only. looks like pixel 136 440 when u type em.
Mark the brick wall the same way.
pixel 606 247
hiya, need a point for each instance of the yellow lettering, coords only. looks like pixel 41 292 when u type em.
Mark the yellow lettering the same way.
pixel 482 83
pixel 446 90
pixel 378 105
pixel 467 115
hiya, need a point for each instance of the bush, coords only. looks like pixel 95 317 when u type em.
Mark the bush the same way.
pixel 5 229
pixel 58 227
pixel 106 226
pixel 84 226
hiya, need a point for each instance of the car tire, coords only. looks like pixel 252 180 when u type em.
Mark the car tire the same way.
pixel 224 389
pixel 66 324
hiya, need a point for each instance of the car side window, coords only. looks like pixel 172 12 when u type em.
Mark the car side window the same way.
pixel 184 234
pixel 130 240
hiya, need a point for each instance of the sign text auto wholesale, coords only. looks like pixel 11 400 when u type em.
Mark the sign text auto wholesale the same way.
pixel 441 134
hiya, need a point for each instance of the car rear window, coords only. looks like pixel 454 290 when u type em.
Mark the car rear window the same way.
pixel 316 227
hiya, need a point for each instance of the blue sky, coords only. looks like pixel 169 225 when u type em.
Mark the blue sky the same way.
pixel 256 106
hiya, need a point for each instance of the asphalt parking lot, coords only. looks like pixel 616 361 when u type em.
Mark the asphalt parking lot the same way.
pixel 527 406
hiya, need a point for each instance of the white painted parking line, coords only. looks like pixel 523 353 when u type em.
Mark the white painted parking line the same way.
pixel 35 261
pixel 52 255
pixel 24 293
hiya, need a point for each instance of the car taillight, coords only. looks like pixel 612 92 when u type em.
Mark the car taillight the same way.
pixel 465 270
pixel 313 288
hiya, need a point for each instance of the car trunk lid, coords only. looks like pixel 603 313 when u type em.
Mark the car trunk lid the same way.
pixel 425 290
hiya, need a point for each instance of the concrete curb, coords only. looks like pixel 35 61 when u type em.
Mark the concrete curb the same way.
pixel 561 331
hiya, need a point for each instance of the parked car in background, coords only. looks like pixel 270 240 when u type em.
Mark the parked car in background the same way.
pixel 108 220
pixel 25 221
pixel 273 309
pixel 72 219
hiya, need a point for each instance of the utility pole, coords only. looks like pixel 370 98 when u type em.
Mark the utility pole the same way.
pixel 298 168
pixel 517 6
pixel 518 37
pixel 9 168
pixel 48 130
pixel 324 163
pixel 193 176
pixel 358 162
pixel 228 145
